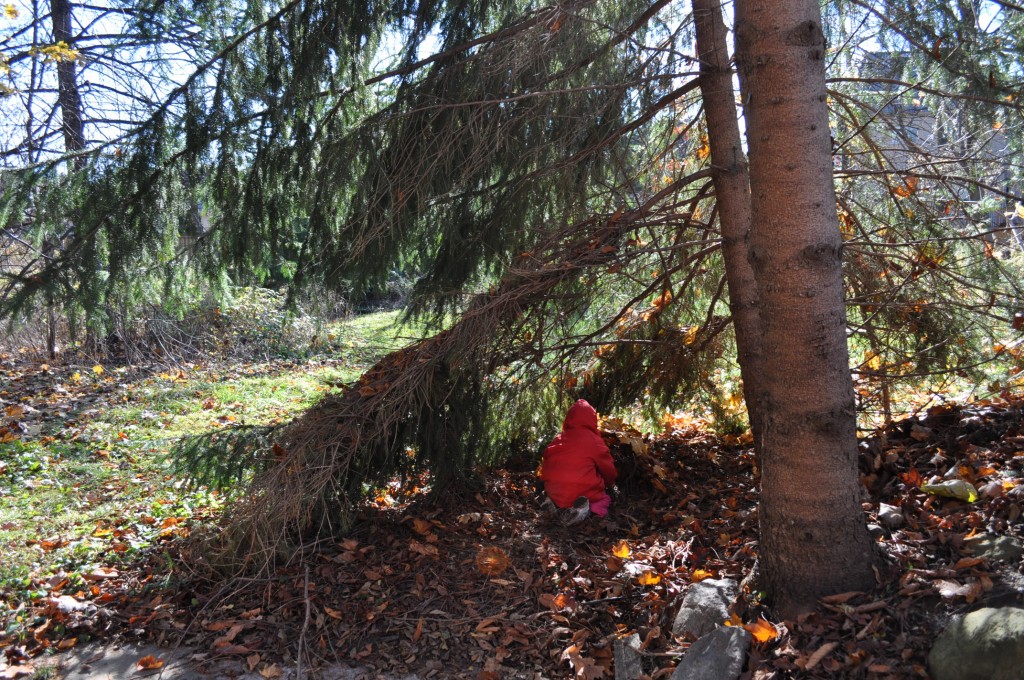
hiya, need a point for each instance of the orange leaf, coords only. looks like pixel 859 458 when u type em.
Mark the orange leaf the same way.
pixel 912 478
pixel 909 187
pixel 663 300
pixel 762 630
pixel 492 561
pixel 150 663
pixel 621 549
pixel 648 578
pixel 704 150
pixel 701 574
pixel 421 526
pixel 967 562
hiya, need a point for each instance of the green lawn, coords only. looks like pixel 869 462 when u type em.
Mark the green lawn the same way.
pixel 86 482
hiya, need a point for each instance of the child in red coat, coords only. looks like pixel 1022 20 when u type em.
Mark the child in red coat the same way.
pixel 578 467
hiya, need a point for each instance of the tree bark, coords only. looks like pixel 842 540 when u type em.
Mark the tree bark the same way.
pixel 68 96
pixel 814 540
pixel 732 195
pixel 69 99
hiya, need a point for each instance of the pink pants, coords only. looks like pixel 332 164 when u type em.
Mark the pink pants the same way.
pixel 600 507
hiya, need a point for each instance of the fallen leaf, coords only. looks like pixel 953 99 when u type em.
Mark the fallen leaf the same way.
pixel 912 478
pixel 701 574
pixel 149 663
pixel 15 411
pixel 967 563
pixel 271 672
pixel 492 561
pixel 101 574
pixel 953 488
pixel 839 598
pixel 423 548
pixel 648 578
pixel 951 589
pixel 419 631
pixel 621 550
pixel 820 654
pixel 762 630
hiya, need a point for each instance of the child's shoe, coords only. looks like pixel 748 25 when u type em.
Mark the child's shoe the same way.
pixel 576 513
pixel 548 507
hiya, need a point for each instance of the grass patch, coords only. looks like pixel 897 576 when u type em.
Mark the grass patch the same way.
pixel 85 480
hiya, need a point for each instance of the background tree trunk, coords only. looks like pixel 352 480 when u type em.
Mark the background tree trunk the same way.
pixel 732 194
pixel 813 535
pixel 73 126
pixel 68 96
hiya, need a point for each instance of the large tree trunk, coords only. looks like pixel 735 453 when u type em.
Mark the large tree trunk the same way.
pixel 813 535
pixel 732 194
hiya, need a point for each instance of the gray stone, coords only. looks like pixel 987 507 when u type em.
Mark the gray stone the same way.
pixel 890 516
pixel 994 547
pixel 705 606
pixel 876 531
pixel 104 662
pixel 719 655
pixel 628 662
pixel 987 644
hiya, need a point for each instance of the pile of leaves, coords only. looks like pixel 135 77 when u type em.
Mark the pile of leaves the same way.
pixel 483 585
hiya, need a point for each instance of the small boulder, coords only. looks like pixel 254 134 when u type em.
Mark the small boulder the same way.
pixel 628 662
pixel 705 605
pixel 876 531
pixel 890 516
pixel 994 547
pixel 987 644
pixel 719 655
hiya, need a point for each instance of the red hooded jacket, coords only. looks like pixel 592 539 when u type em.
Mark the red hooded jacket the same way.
pixel 577 462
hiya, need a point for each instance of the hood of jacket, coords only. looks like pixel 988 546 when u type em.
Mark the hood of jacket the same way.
pixel 581 414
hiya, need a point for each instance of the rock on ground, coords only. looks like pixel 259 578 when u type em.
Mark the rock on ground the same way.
pixel 987 644
pixel 705 606
pixel 719 655
pixel 994 547
pixel 104 662
pixel 628 662
pixel 890 516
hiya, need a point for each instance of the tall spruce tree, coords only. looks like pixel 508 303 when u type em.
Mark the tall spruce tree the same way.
pixel 542 173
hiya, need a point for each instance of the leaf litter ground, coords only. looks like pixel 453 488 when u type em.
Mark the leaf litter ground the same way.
pixel 483 585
